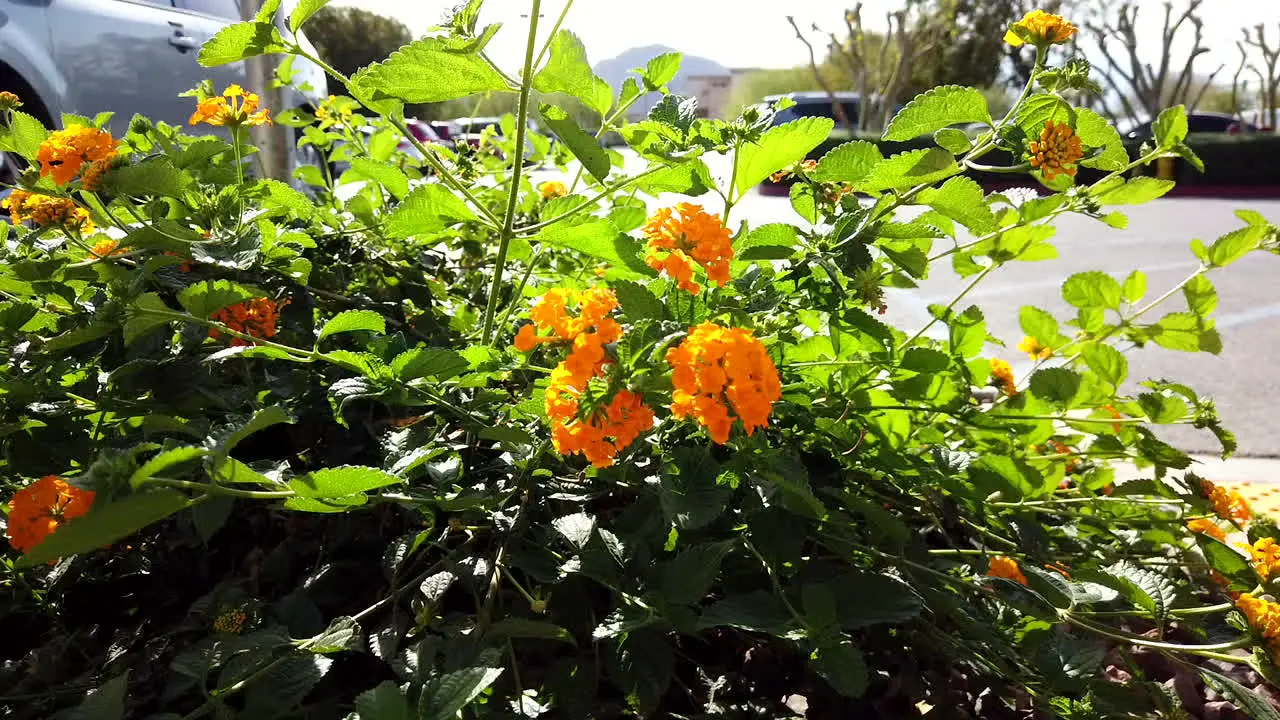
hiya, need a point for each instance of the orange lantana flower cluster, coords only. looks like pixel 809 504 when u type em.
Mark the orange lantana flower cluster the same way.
pixel 256 317
pixel 1228 504
pixel 1265 554
pixel 234 107
pixel 1206 527
pixel 47 211
pixel 1007 568
pixel 685 236
pixel 1002 374
pixel 38 509
pixel 715 367
pixel 553 189
pixel 1043 28
pixel 107 248
pixel 1264 617
pixel 581 421
pixel 66 152
pixel 1057 151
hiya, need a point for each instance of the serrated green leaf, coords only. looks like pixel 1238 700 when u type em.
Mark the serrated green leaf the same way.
pixel 239 41
pixel 661 70
pixel 1040 325
pixel 342 634
pixel 518 627
pixel 916 167
pixel 260 420
pixel 599 239
pixel 866 598
pixel 1058 385
pixel 1135 191
pixel 105 524
pixel 1248 701
pixel 577 528
pixel 1092 289
pixel 637 302
pixel 779 147
pixel 1185 332
pixel 106 702
pixel 383 173
pixel 848 163
pixel 303 11
pixel 953 140
pixel 936 109
pixel 755 611
pixel 281 195
pixel 205 298
pixel 139 321
pixel 1096 132
pixel 1015 478
pixel 168 458
pixel 843 666
pixel 1135 287
pixel 353 321
pixel 438 363
pixel 692 178
pixel 154 176
pixel 581 143
pixel 284 685
pixel 687 578
pixel 1117 220
pixel 567 71
pixel 341 481
pixel 1145 588
pixel 1235 245
pixel 428 209
pixel 1170 127
pixel 384 702
pixel 1040 109
pixel 23 135
pixel 967 332
pixel 1107 363
pixel 962 200
pixel 428 70
pixel 1202 297
pixel 445 696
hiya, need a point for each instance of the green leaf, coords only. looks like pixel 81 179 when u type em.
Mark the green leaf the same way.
pixel 637 302
pixel 1039 110
pixel 353 321
pixel 848 163
pixel 1170 128
pixel 385 174
pixel 688 578
pixel 1249 702
pixel 661 70
pixel 283 685
pixel 428 209
pixel 962 200
pixel 1057 385
pixel 692 178
pixel 925 360
pixel 805 202
pixel 769 242
pixel 154 176
pixel 691 497
pixel 303 11
pixel 428 70
pixel 518 627
pixel 428 362
pixel 166 459
pixel 967 332
pixel 953 140
pixel 917 167
pixel 582 144
pixel 599 239
pixel 281 195
pixel 105 702
pixel 1117 220
pixel 674 114
pixel 1135 191
pixel 105 524
pixel 1235 245
pixel 755 611
pixel 1201 296
pixel 1015 478
pixel 779 147
pixel 1092 289
pixel 1185 332
pixel 239 41
pixel 342 634
pixel 866 598
pixel 1107 363
pixel 577 528
pixel 232 471
pixel 1135 287
pixel 843 667
pixel 1145 588
pixel 936 109
pixel 1095 131
pixel 23 136
pixel 338 482
pixel 384 702
pixel 1040 325
pixel 445 696
pixel 567 71
pixel 205 298
pixel 139 322
pixel 259 421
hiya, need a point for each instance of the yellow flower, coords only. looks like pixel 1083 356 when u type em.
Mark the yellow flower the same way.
pixel 1057 151
pixel 1265 554
pixel 552 189
pixel 1034 349
pixel 47 211
pixel 1207 527
pixel 234 107
pixel 1228 504
pixel 107 248
pixel 230 622
pixel 1002 374
pixel 9 101
pixel 1041 29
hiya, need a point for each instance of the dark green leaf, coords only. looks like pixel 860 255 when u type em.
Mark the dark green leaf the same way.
pixel 341 481
pixel 445 696
pixel 103 703
pixel 342 634
pixel 843 666
pixel 576 528
pixel 687 578
pixel 428 362
pixel 139 321
pixel 1057 385
pixel 755 611
pixel 1107 362
pixel 166 459
pixel 866 598
pixel 384 702
pixel 637 302
pixel 353 321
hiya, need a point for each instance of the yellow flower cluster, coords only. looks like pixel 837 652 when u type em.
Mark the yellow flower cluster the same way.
pixel 1265 554
pixel 233 108
pixel 717 367
pixel 230 622
pixel 1057 151
pixel 1264 617
pixel 106 248
pixel 1002 374
pixel 1228 504
pixel 1007 568
pixel 685 237
pixel 1206 527
pixel 1034 349
pixel 1041 28
pixel 47 211
pixel 65 152
pixel 550 190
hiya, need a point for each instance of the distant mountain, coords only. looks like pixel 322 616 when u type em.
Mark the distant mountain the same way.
pixel 615 71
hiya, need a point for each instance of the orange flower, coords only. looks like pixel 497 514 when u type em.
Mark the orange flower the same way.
pixel 256 317
pixel 233 108
pixel 1034 349
pixel 107 248
pixel 1002 374
pixel 1264 617
pixel 1207 527
pixel 677 242
pixel 1265 554
pixel 47 211
pixel 1228 504
pixel 230 622
pixel 40 508
pixel 552 189
pixel 1057 151
pixel 65 152
pixel 550 313
pixel 1005 567
pixel 1115 427
pixel 1060 568
pixel 92 178
pixel 1040 28
pixel 717 367
pixel 186 264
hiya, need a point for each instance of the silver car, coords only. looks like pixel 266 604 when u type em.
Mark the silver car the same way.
pixel 124 56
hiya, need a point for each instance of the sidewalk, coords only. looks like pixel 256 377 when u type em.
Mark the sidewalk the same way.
pixel 1258 479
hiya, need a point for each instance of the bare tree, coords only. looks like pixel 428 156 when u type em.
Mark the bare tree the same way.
pixel 1141 88
pixel 1267 72
pixel 837 107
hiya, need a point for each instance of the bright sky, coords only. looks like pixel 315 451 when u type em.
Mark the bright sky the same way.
pixel 754 33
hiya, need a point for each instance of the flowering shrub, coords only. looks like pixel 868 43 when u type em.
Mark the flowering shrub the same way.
pixel 435 437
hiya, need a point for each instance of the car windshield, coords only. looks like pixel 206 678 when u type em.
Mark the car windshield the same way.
pixel 817 108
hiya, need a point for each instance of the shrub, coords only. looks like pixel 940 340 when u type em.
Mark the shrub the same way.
pixel 434 439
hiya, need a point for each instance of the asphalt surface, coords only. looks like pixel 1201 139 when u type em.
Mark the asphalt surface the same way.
pixel 1242 380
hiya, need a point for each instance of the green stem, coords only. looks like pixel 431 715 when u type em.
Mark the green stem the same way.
pixel 1157 645
pixel 729 199
pixel 947 311
pixel 517 167
pixel 211 489
pixel 621 185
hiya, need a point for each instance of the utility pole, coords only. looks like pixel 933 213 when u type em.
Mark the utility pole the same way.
pixel 273 141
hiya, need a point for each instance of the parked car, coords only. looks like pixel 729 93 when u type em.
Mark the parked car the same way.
pixel 1201 122
pixel 469 129
pixel 122 56
pixel 427 133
